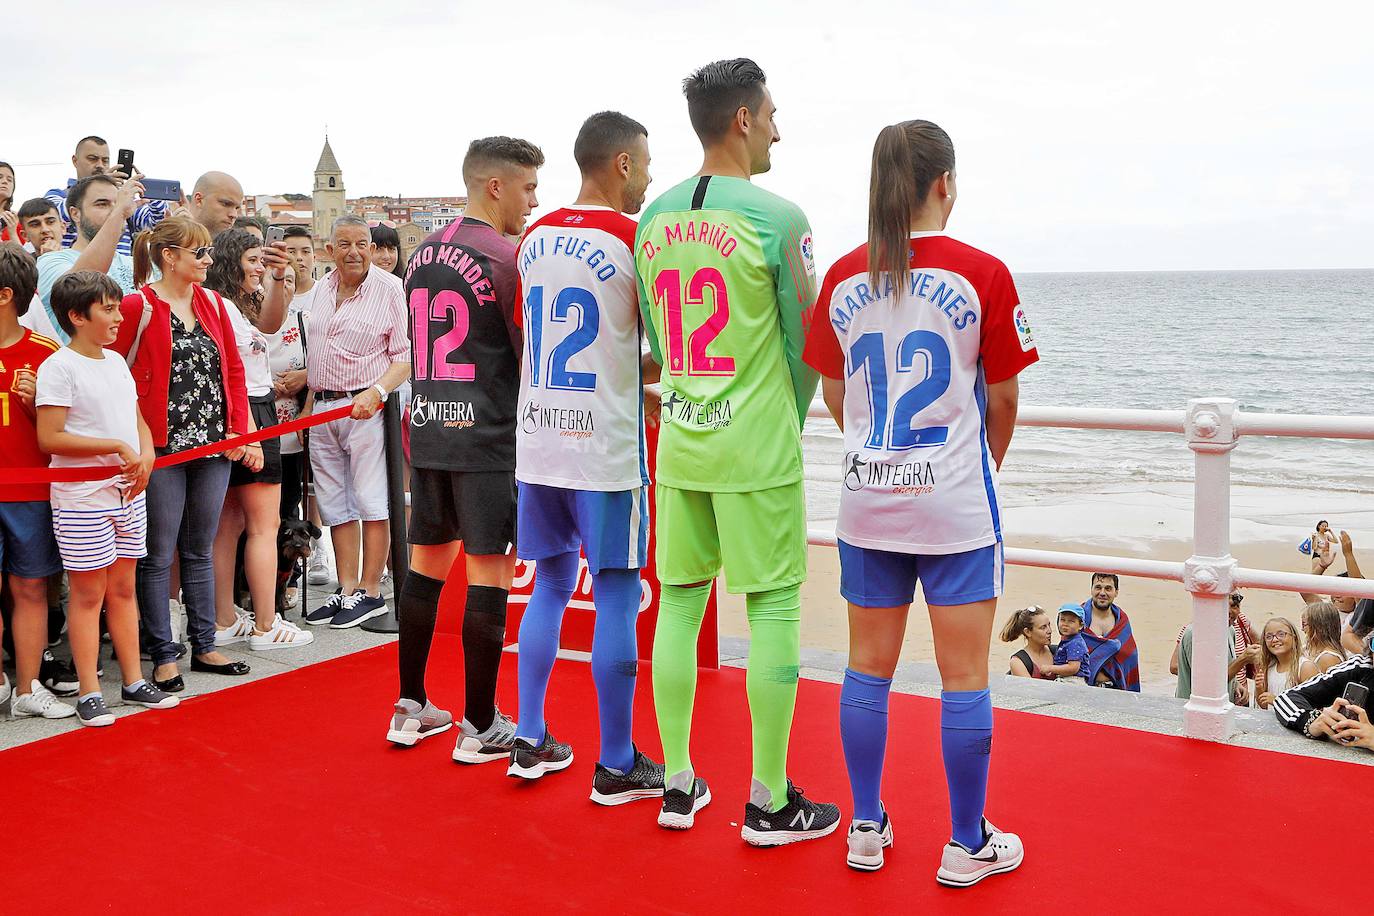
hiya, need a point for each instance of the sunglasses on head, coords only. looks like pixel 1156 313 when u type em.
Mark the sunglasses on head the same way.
pixel 204 251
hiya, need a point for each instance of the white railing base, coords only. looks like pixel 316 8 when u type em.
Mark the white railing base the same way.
pixel 1208 718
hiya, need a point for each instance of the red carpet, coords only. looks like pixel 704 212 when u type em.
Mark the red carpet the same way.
pixel 282 796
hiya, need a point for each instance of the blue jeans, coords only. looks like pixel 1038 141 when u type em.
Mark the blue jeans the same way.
pixel 185 503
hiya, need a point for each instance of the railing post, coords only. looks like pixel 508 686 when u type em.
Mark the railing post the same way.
pixel 1209 573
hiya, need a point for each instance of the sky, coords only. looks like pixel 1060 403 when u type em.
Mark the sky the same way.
pixel 1170 136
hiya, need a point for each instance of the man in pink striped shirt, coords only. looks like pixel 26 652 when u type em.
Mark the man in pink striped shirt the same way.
pixel 357 349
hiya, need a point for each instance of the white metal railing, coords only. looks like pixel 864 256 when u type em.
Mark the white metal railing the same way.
pixel 1212 427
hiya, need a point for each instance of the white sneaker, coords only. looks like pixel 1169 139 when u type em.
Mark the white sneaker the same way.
pixel 176 611
pixel 291 597
pixel 867 840
pixel 959 867
pixel 283 635
pixel 319 571
pixel 39 701
pixel 4 687
pixel 238 631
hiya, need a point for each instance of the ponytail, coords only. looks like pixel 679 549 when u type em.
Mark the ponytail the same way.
pixel 907 159
pixel 1019 622
pixel 143 258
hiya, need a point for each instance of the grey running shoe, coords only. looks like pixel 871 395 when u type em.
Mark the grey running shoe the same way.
pixel 39 701
pixel 867 840
pixel 146 694
pixel 645 780
pixel 962 867
pixel 413 722
pixel 495 743
pixel 679 811
pixel 530 762
pixel 92 711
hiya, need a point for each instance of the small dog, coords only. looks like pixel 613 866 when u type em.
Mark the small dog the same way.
pixel 294 537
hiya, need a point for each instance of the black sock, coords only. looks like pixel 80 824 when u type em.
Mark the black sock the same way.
pixel 484 632
pixel 417 609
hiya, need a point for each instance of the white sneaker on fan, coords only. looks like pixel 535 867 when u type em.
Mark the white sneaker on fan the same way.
pixel 283 635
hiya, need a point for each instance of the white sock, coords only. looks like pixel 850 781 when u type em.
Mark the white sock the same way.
pixel 135 685
pixel 86 696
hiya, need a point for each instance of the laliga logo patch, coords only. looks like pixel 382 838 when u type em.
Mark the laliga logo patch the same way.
pixel 1023 329
pixel 808 254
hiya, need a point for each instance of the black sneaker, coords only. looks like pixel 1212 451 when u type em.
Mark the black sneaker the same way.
pixel 58 676
pixel 679 811
pixel 325 612
pixel 645 780
pixel 530 762
pixel 799 819
pixel 92 711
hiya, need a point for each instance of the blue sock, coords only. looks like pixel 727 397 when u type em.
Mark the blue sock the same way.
pixel 863 732
pixel 554 580
pixel 966 743
pixel 615 663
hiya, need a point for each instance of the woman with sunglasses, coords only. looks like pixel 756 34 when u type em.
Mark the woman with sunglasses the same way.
pixel 181 349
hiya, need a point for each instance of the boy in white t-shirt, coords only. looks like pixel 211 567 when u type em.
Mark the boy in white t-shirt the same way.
pixel 88 415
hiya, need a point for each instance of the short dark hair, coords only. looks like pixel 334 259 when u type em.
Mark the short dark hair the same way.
pixel 487 152
pixel 1116 583
pixel 718 90
pixel 603 135
pixel 77 292
pixel 243 222
pixel 18 274
pixel 92 138
pixel 35 206
pixel 76 194
pixel 297 232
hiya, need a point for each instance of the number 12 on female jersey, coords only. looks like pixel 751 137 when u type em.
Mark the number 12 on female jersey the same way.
pixel 869 354
pixel 570 299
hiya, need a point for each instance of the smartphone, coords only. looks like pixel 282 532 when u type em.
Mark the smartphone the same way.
pixel 125 162
pixel 161 189
pixel 275 234
pixel 1357 695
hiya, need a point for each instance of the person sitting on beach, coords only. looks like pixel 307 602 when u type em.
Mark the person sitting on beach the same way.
pixel 1321 628
pixel 1317 708
pixel 1280 660
pixel 1323 548
pixel 1109 622
pixel 1033 625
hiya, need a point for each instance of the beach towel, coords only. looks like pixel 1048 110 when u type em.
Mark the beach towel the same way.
pixel 1123 665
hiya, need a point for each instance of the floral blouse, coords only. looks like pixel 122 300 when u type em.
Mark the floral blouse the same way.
pixel 195 390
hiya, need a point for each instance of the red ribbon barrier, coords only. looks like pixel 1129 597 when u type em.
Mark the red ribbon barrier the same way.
pixel 19 476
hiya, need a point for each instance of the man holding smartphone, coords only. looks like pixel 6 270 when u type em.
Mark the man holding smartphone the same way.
pixel 92 157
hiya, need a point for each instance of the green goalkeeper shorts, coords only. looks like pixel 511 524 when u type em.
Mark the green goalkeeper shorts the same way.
pixel 761 534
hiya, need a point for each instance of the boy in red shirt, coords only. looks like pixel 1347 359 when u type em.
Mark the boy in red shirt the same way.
pixel 28 551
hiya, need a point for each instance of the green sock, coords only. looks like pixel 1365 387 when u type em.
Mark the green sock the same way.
pixel 774 659
pixel 680 612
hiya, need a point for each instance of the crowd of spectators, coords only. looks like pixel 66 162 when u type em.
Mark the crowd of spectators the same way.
pixel 203 324
pixel 1299 671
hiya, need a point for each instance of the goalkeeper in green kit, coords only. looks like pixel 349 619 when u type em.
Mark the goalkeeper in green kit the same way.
pixel 726 285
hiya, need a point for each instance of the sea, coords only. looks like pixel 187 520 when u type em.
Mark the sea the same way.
pixel 1281 341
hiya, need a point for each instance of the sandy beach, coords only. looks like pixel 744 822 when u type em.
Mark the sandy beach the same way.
pixel 1155 523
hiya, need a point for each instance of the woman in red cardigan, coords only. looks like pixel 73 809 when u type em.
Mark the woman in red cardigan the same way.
pixel 186 367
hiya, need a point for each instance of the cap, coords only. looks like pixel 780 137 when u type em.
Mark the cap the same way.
pixel 1075 609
